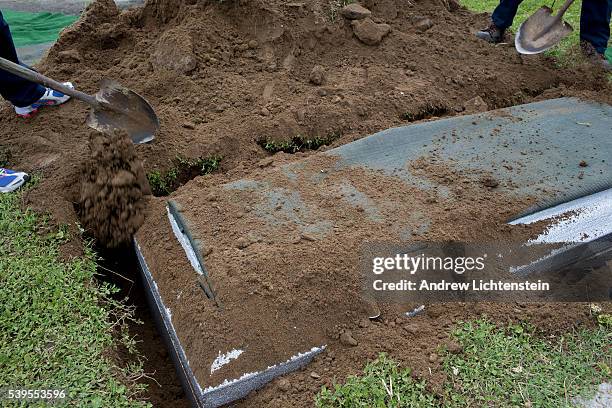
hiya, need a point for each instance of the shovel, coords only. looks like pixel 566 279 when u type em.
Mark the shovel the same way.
pixel 542 30
pixel 113 107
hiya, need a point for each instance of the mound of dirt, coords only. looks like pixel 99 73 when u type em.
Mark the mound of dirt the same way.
pixel 112 201
pixel 224 75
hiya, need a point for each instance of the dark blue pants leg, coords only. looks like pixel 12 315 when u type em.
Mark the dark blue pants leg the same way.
pixel 14 89
pixel 504 13
pixel 595 23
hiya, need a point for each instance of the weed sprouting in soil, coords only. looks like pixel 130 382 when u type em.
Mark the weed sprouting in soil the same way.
pixel 297 143
pixel 183 170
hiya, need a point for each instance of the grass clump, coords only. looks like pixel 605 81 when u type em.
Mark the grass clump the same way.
pixel 296 144
pixel 59 326
pixel 383 384
pixel 496 367
pixel 515 366
pixel 183 170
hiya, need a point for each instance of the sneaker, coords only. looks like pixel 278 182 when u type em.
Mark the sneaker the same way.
pixel 50 98
pixel 491 34
pixel 11 180
pixel 595 57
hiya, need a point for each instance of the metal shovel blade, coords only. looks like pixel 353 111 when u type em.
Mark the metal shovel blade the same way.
pixel 540 32
pixel 119 108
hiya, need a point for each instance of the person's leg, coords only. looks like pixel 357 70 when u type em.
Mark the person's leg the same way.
pixel 502 18
pixel 504 13
pixel 16 90
pixel 595 23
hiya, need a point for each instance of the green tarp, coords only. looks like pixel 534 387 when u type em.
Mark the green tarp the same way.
pixel 36 28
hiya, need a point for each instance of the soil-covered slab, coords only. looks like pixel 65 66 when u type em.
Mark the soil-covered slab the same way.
pixel 282 246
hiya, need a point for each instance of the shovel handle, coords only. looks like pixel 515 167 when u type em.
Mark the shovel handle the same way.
pixel 564 8
pixel 40 79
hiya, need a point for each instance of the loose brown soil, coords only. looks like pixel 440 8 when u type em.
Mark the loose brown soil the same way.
pixel 112 201
pixel 223 75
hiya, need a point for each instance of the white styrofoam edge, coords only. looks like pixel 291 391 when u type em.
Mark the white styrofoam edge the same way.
pixel 416 311
pixel 184 241
pixel 312 352
pixel 592 214
pixel 224 359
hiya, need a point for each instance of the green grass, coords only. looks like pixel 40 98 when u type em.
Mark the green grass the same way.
pixel 528 7
pixel 383 384
pixel 182 170
pixel 297 143
pixel 496 367
pixel 59 326
pixel 517 366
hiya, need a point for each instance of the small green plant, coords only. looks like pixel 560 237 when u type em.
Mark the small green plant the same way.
pixel 383 384
pixel 159 184
pixel 183 170
pixel 297 143
pixel 205 165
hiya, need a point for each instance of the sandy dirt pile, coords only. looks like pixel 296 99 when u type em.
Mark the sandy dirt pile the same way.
pixel 113 190
pixel 223 75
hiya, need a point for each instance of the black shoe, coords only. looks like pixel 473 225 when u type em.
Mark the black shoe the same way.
pixel 491 34
pixel 595 57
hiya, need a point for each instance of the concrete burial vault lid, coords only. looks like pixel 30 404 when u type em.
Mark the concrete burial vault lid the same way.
pixel 280 249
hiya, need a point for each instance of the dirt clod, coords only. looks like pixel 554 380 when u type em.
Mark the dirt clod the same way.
pixel 112 200
pixel 317 75
pixel 355 11
pixel 490 182
pixel 369 32
pixel 347 339
pixel 284 385
pixel 423 24
pixel 175 52
pixel 475 105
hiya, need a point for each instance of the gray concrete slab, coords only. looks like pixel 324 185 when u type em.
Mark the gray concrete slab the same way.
pixel 543 142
